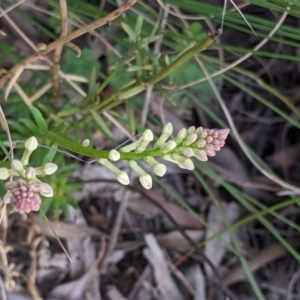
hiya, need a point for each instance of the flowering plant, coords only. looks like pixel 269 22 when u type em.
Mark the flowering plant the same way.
pixel 24 190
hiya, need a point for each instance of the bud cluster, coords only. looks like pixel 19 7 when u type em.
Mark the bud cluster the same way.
pixel 192 142
pixel 24 191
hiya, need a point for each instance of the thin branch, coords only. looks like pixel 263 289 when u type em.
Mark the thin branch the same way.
pixel 237 135
pixel 243 58
pixel 58 51
pixel 90 27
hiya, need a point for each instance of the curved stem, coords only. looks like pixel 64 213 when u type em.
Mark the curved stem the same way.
pixel 134 89
pixel 89 152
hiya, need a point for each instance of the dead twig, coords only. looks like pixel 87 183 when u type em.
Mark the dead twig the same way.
pixel 33 268
pixel 64 40
pixel 58 51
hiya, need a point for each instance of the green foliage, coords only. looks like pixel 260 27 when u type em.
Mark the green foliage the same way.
pixel 61 187
pixel 54 22
pixel 82 65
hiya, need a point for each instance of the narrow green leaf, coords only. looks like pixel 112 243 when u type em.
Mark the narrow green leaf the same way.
pixel 38 117
pixel 139 25
pixel 134 68
pixel 30 125
pixel 49 156
pixel 99 120
pixel 92 82
pixel 69 112
pixel 130 115
pixel 129 31
pixel 5 150
pixel 61 128
pixel 18 127
pixel 148 40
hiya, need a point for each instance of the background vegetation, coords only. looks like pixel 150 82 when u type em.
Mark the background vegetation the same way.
pixel 239 211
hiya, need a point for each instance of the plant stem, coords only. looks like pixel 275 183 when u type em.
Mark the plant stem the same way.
pixel 134 89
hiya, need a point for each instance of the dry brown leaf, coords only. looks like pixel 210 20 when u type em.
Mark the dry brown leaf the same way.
pixel 215 249
pixel 286 157
pixel 83 251
pixel 182 217
pixel 197 279
pixel 76 290
pixel 175 240
pixel 67 230
pixel 262 258
pixel 157 259
pixel 95 188
pixel 143 206
pixel 231 163
pixel 114 294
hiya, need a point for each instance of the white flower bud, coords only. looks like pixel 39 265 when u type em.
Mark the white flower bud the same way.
pixel 187 152
pixel 114 155
pixel 31 144
pixel 146 138
pixel 123 178
pixel 181 135
pixel 187 164
pixel 166 133
pixel 146 181
pixel 46 190
pixel 4 173
pixel 30 173
pixel 191 129
pixel 17 166
pixel 86 143
pixel 168 146
pixel 160 170
pixel 190 139
pixel 201 155
pixel 49 168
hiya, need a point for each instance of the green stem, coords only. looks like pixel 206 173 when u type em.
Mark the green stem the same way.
pixel 134 89
pixel 88 152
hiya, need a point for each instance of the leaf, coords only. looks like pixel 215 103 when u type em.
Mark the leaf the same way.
pixel 38 117
pixel 195 28
pixel 101 123
pixel 68 112
pixel 49 156
pixel 30 125
pixel 151 39
pixel 131 118
pixel 80 65
pixel 134 68
pixel 61 128
pixel 129 31
pixel 92 82
pixel 16 126
pixel 5 150
pixel 139 25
